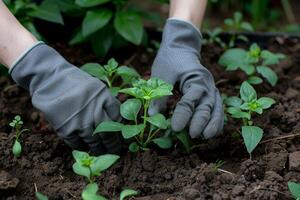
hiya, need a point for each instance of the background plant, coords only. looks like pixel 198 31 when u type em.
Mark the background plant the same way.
pixel 16 124
pixel 244 108
pixel 91 167
pixel 236 25
pixel 110 72
pixel 143 128
pixel 253 62
pixel 213 37
pixel 294 189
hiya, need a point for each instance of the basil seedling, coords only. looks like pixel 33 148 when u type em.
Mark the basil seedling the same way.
pixel 16 124
pixel 144 129
pixel 110 72
pixel 243 108
pixel 213 37
pixel 253 62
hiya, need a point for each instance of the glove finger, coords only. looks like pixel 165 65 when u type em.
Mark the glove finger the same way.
pixel 94 141
pixel 157 106
pixel 186 107
pixel 216 123
pixel 201 116
pixel 74 141
pixel 112 108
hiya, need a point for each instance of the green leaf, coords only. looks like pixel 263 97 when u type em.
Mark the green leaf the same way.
pixel 163 142
pixel 294 189
pixel 48 11
pixel 77 38
pixel 238 113
pixel 80 155
pixel 103 162
pixel 233 101
pixel 129 131
pixel 184 138
pixel 40 196
pixel 129 25
pixel 248 69
pixel 237 16
pixel 96 70
pixel 127 74
pixel 247 92
pixel 102 40
pixel 270 58
pixel 255 80
pixel 266 102
pixel 268 74
pixel 17 148
pixel 232 59
pixel 130 109
pixel 134 147
pixel 95 20
pixel 90 192
pixel 31 28
pixel 90 3
pixel 114 91
pixel 127 193
pixel 252 136
pixel 228 22
pixel 81 170
pixel 108 126
pixel 158 120
pixel 247 26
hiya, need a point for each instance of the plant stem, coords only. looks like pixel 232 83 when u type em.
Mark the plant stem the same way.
pixel 146 106
pixel 150 136
pixel 90 178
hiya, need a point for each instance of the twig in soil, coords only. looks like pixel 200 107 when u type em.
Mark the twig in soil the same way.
pixel 225 171
pixel 36 190
pixel 70 193
pixel 10 87
pixel 267 189
pixel 280 138
pixel 221 81
pixel 128 61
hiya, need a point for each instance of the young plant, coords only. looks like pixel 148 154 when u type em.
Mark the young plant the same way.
pixel 16 124
pixel 91 167
pixel 213 37
pixel 235 25
pixel 217 165
pixel 26 11
pixel 110 72
pixel 39 195
pixel 294 189
pixel 243 108
pixel 253 62
pixel 144 129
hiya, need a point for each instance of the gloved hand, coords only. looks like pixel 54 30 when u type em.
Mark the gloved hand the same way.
pixel 177 60
pixel 72 101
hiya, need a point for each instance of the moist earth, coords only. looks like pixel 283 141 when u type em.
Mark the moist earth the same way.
pixel 46 162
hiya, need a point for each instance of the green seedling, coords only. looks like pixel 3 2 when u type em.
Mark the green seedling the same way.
pixel 217 165
pixel 26 11
pixel 236 24
pixel 143 128
pixel 110 72
pixel 213 37
pixel 91 167
pixel 16 124
pixel 243 108
pixel 294 189
pixel 253 62
pixel 39 195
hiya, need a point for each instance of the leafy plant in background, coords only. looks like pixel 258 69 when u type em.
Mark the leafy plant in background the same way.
pixel 26 11
pixel 213 37
pixel 243 108
pixel 91 167
pixel 110 72
pixel 236 25
pixel 294 189
pixel 144 129
pixel 253 62
pixel 105 23
pixel 16 124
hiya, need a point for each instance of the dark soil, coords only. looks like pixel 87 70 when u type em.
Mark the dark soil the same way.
pixel 47 163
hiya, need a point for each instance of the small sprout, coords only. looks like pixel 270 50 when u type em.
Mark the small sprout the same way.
pixel 16 124
pixel 217 165
pixel 39 195
pixel 243 108
pixel 236 24
pixel 254 62
pixel 213 37
pixel 294 189
pixel 110 72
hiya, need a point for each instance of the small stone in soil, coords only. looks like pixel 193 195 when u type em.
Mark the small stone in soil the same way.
pixel 294 161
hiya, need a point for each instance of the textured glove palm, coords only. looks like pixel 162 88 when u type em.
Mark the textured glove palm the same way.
pixel 72 101
pixel 178 61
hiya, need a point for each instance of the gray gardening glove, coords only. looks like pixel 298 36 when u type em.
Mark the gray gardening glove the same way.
pixel 177 60
pixel 72 101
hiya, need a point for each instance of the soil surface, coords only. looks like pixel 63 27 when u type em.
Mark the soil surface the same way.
pixel 174 175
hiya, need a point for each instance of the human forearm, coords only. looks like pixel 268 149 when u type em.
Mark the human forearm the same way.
pixel 14 38
pixel 189 10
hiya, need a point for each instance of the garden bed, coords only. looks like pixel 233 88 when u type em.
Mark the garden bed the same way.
pixel 157 174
